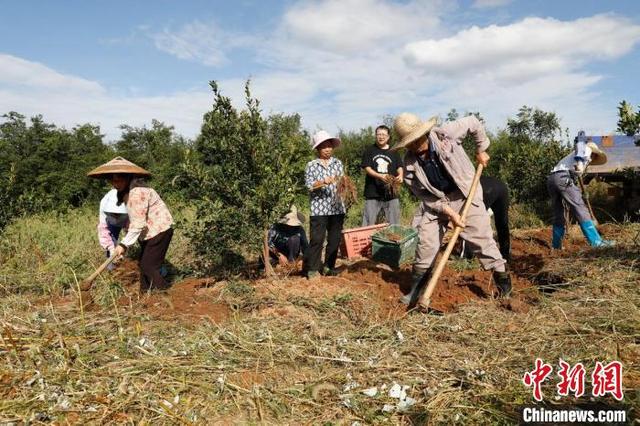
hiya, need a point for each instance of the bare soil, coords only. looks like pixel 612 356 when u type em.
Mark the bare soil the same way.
pixel 365 285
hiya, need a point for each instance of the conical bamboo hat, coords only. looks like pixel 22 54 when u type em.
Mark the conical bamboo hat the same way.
pixel 117 165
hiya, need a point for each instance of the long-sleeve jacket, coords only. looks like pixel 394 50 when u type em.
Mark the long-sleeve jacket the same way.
pixel 148 215
pixel 446 140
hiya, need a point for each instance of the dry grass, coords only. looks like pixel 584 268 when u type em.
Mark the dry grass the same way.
pixel 310 363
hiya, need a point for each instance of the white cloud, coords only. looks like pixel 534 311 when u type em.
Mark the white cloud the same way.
pixel 196 41
pixel 31 88
pixel 14 70
pixel 346 64
pixel 353 26
pixel 484 4
pixel 544 45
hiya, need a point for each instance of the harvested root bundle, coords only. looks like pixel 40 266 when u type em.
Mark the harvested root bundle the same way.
pixel 347 191
pixel 391 236
pixel 392 185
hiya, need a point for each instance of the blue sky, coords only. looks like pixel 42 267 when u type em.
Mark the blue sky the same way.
pixel 340 64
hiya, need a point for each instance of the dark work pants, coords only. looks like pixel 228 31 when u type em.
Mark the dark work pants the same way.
pixel 290 249
pixel 496 197
pixel 152 255
pixel 319 226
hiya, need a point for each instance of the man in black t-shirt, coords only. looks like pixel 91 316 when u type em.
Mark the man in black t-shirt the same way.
pixel 383 180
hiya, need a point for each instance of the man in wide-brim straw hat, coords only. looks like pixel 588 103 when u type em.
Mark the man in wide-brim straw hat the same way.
pixel 439 173
pixel 150 221
pixel 562 187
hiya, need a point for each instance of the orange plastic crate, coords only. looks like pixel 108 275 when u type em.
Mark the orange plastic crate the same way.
pixel 357 241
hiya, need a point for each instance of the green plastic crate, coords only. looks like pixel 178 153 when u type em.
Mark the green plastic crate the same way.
pixel 395 253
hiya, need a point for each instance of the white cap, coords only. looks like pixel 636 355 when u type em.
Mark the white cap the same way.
pixel 109 203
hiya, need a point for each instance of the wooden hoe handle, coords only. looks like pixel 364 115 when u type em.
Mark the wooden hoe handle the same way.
pixel 585 197
pixel 425 299
pixel 87 283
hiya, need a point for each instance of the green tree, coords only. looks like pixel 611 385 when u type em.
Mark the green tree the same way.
pixel 43 167
pixel 468 141
pixel 354 143
pixel 629 122
pixel 535 124
pixel 524 154
pixel 158 149
pixel 244 172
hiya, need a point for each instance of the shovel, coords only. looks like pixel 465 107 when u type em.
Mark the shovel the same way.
pixel 425 299
pixel 88 282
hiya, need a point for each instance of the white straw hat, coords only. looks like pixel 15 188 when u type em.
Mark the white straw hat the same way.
pixel 321 136
pixel 293 218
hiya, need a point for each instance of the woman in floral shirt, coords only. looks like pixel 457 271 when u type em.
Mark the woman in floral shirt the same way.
pixel 150 221
pixel 327 209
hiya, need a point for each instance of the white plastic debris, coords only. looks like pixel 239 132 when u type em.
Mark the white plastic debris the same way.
pixel 348 386
pixel 346 401
pixel 405 404
pixel 399 335
pixel 397 391
pixel 64 403
pixel 388 408
pixel 371 391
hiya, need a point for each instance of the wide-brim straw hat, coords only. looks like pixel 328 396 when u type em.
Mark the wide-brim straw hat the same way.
pixel 293 218
pixel 409 127
pixel 598 157
pixel 117 165
pixel 322 136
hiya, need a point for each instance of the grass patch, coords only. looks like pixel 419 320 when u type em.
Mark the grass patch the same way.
pixel 311 363
pixel 51 252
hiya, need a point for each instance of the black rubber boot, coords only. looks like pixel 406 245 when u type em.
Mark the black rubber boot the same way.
pixel 419 277
pixel 503 283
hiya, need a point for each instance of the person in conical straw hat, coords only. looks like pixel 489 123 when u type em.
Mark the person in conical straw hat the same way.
pixel 439 173
pixel 150 221
pixel 562 186
pixel 286 238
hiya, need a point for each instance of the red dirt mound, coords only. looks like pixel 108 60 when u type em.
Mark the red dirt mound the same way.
pixel 191 297
pixel 363 285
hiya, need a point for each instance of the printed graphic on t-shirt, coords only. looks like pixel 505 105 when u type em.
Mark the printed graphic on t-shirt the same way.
pixel 382 163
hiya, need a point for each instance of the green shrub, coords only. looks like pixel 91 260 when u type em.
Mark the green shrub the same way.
pixel 243 174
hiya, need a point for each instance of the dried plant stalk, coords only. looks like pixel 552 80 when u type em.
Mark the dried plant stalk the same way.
pixel 347 191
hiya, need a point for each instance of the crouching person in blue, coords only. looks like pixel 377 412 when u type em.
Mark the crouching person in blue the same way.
pixel 287 239
pixel 562 187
